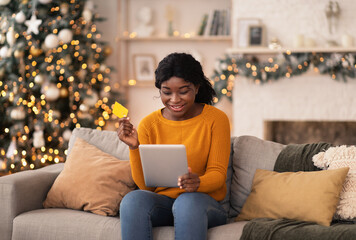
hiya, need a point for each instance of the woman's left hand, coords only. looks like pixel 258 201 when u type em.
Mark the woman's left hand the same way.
pixel 189 182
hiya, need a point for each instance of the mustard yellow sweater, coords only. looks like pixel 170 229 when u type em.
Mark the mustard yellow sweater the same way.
pixel 207 141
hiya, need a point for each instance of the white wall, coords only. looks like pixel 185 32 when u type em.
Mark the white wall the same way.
pixel 310 96
pixel 285 19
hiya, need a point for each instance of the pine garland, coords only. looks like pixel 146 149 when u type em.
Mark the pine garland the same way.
pixel 338 66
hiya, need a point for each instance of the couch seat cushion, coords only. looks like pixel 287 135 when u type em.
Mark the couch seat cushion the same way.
pixel 64 224
pixel 58 224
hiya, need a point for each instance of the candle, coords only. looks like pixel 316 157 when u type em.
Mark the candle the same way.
pixel 347 40
pixel 299 41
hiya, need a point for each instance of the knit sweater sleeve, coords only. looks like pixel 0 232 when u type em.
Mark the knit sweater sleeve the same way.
pixel 218 160
pixel 135 159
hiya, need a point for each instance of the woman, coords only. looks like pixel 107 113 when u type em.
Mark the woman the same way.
pixel 187 118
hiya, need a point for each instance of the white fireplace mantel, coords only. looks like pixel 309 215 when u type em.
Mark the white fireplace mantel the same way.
pixel 310 96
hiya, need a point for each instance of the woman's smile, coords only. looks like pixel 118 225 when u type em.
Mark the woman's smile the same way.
pixel 176 108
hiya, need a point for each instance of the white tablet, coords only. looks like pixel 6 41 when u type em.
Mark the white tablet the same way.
pixel 162 164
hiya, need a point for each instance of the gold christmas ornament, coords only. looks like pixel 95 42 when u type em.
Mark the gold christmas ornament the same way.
pixel 107 50
pixel 52 93
pixel 19 53
pixel 39 79
pixel 63 92
pixel 18 113
pixel 35 51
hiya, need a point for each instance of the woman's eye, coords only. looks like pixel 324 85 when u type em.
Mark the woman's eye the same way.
pixel 184 92
pixel 166 93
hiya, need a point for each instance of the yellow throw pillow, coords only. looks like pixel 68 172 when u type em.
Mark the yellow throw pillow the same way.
pixel 305 196
pixel 91 180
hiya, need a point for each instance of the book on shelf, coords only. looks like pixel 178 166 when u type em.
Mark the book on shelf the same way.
pixel 203 25
pixel 216 23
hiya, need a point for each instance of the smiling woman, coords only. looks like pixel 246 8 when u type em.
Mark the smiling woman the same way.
pixel 189 119
pixel 178 97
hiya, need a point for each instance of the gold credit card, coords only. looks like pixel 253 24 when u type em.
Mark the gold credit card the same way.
pixel 119 110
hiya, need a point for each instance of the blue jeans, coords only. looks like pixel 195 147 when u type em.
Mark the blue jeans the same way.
pixel 191 214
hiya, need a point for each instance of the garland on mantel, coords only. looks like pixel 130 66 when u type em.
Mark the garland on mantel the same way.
pixel 339 66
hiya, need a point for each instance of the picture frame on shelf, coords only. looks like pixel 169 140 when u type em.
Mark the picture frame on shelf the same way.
pixel 256 36
pixel 243 26
pixel 144 68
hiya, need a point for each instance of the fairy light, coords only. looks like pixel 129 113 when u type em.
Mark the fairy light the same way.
pixel 24 163
pixel 133 35
pixel 132 82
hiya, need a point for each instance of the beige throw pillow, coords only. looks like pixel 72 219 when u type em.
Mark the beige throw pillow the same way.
pixel 338 157
pixel 91 181
pixel 305 196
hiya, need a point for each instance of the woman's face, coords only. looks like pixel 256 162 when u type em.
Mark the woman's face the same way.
pixel 178 97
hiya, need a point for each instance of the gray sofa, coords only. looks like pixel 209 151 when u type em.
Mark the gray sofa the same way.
pixel 22 215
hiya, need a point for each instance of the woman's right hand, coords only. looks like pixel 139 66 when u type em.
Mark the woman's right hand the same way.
pixel 127 133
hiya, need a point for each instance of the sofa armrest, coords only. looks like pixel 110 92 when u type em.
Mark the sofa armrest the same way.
pixel 22 192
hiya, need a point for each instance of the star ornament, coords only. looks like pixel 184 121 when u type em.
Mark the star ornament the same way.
pixel 33 24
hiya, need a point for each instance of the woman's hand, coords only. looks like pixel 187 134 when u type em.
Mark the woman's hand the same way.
pixel 190 182
pixel 127 133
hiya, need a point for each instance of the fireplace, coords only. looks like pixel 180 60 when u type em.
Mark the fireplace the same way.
pixel 287 132
pixel 319 102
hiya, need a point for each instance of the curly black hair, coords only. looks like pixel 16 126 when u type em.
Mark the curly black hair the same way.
pixel 183 65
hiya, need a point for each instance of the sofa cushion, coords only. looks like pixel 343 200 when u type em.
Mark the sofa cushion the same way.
pixel 338 157
pixel 306 196
pixel 91 180
pixel 106 141
pixel 58 224
pixel 250 153
pixel 47 224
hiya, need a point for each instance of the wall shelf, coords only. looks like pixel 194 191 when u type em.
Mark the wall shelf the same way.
pixel 195 38
pixel 264 50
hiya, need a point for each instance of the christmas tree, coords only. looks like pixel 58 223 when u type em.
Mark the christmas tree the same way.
pixel 52 79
